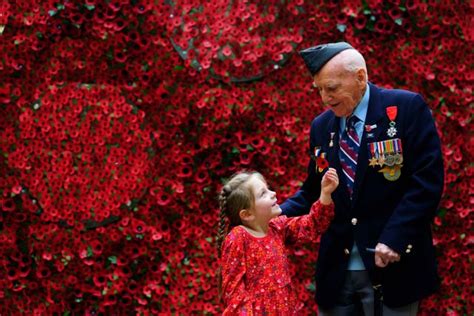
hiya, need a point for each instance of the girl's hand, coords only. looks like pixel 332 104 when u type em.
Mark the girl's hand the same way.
pixel 329 183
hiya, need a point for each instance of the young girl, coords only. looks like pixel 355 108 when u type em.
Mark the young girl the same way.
pixel 255 268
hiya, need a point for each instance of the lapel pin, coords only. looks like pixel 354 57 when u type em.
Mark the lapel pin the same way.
pixel 331 141
pixel 369 128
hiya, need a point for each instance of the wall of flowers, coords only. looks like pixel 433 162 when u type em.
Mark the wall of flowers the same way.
pixel 120 119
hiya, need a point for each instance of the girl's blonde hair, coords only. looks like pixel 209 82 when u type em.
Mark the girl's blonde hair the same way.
pixel 235 196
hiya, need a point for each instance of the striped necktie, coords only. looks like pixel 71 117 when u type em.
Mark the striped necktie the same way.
pixel 349 149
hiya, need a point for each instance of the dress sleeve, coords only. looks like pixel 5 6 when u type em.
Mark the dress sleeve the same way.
pixel 307 227
pixel 234 293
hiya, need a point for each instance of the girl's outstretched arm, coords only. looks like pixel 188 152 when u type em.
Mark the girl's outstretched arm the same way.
pixel 309 227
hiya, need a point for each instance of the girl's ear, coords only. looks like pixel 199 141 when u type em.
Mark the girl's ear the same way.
pixel 246 215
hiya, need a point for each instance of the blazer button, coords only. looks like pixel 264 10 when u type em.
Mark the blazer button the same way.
pixel 346 251
pixel 354 221
pixel 408 250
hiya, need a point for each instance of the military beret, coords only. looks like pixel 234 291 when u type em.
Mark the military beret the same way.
pixel 317 56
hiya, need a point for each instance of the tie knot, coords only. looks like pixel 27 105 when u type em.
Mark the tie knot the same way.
pixel 351 121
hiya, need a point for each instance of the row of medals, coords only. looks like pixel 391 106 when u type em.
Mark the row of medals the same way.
pixel 387 159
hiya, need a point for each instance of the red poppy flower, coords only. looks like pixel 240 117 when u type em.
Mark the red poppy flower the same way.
pixel 322 163
pixel 8 205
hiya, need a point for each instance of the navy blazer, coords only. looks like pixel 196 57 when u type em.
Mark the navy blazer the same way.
pixel 396 213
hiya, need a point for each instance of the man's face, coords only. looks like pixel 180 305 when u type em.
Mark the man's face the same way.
pixel 340 89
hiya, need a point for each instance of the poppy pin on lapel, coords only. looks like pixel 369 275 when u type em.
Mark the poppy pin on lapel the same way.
pixel 321 161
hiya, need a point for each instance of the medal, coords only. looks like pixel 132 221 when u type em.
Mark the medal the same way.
pixel 331 142
pixel 390 160
pixel 392 115
pixel 391 173
pixel 381 153
pixel 398 159
pixel 388 155
pixel 398 156
pixel 392 131
pixel 381 161
pixel 373 162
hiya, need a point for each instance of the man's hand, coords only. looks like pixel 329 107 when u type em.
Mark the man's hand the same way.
pixel 385 255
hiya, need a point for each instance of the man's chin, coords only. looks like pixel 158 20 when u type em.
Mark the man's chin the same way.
pixel 336 110
pixel 340 113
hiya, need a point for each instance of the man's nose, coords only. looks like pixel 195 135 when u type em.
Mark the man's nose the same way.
pixel 326 97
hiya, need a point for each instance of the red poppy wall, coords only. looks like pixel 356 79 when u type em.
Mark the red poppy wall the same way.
pixel 120 120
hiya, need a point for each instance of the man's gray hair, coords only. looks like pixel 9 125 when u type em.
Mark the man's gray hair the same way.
pixel 351 60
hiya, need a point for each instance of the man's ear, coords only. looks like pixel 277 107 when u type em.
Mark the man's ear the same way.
pixel 246 215
pixel 362 76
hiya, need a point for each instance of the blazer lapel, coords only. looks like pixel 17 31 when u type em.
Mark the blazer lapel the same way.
pixel 375 113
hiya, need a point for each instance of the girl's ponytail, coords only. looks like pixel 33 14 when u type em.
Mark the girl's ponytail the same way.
pixel 221 231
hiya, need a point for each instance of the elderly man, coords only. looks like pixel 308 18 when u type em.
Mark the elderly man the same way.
pixel 386 149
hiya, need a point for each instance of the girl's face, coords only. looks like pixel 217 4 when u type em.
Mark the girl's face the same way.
pixel 266 206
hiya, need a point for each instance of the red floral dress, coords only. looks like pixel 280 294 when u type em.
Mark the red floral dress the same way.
pixel 255 270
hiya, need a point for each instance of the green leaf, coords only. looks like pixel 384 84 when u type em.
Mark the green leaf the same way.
pixel 311 287
pixel 112 259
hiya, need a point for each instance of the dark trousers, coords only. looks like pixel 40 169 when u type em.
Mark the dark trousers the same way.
pixel 357 298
